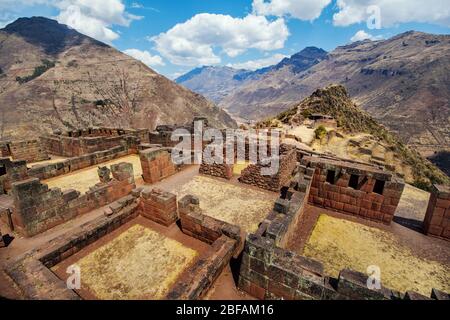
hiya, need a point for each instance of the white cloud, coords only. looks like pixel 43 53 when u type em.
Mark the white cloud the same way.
pixel 193 42
pixel 362 35
pixel 393 11
pixel 145 57
pixel 259 63
pixel 137 5
pixel 94 18
pixel 300 9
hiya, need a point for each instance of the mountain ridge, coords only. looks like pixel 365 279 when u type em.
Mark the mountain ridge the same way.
pixel 74 81
pixel 216 82
pixel 402 82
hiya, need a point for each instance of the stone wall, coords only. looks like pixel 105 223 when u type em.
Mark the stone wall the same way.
pixel 31 271
pixel 205 228
pixel 156 164
pixel 11 171
pixel 159 206
pixel 281 222
pixel 32 275
pixel 162 137
pixel 437 217
pixel 82 142
pixel 217 170
pixel 287 163
pixel 51 170
pixel 202 275
pixel 269 271
pixel 28 150
pixel 38 208
pixel 355 189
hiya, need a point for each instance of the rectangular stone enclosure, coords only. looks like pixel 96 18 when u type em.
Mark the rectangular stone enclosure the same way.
pixel 355 189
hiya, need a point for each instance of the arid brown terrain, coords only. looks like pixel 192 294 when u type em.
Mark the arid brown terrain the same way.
pixel 357 136
pixel 53 77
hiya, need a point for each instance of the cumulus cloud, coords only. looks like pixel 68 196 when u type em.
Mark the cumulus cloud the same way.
pixel 362 35
pixel 145 57
pixel 300 9
pixel 193 42
pixel 94 18
pixel 259 63
pixel 393 12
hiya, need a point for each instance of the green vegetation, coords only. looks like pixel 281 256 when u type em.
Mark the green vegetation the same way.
pixel 335 102
pixel 39 70
pixel 102 103
pixel 306 113
pixel 72 64
pixel 320 132
pixel 285 116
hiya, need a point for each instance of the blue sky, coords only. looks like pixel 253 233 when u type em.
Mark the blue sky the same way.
pixel 175 36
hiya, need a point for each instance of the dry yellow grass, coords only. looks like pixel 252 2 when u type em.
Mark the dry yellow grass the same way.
pixel 237 205
pixel 140 263
pixel 81 180
pixel 303 132
pixel 343 244
pixel 342 147
pixel 239 166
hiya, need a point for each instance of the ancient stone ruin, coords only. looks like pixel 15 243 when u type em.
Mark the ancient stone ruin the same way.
pixel 170 220
pixel 437 219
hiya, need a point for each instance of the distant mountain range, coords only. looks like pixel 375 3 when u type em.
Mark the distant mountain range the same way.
pixel 403 82
pixel 53 77
pixel 217 82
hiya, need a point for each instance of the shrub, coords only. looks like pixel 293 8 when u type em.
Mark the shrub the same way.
pixel 39 70
pixel 320 132
pixel 306 113
pixel 286 116
pixel 422 184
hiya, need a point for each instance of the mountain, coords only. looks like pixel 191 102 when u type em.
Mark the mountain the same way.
pixel 359 136
pixel 217 82
pixel 403 82
pixel 212 82
pixel 302 60
pixel 53 77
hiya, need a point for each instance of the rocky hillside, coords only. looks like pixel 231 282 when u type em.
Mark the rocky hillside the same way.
pixel 402 82
pixel 52 77
pixel 216 83
pixel 373 139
